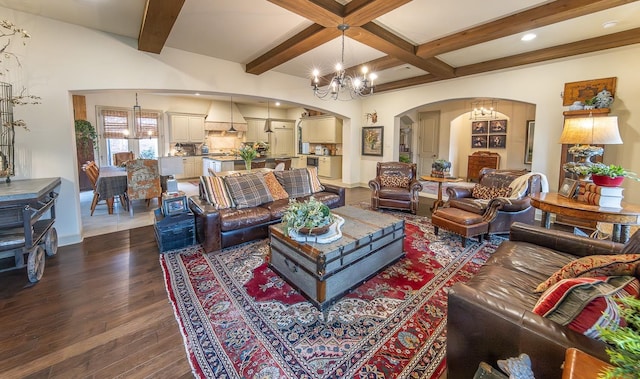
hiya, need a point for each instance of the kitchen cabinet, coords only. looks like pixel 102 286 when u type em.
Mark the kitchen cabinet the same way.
pixel 299 161
pixel 216 165
pixel 322 130
pixel 192 167
pixel 255 131
pixel 330 166
pixel 185 128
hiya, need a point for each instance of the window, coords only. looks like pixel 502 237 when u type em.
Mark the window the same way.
pixel 122 133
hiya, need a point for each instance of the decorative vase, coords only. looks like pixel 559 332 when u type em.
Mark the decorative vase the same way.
pixel 247 165
pixel 607 181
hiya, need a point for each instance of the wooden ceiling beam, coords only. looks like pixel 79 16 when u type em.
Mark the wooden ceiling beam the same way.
pixel 610 41
pixel 556 11
pixel 385 41
pixel 625 38
pixel 360 13
pixel 157 21
pixel 327 13
pixel 310 38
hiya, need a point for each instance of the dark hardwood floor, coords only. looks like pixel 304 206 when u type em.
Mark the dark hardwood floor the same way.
pixel 100 311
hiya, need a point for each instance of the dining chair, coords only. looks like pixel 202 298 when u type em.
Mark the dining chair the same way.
pixel 143 182
pixel 258 164
pixel 286 161
pixel 123 157
pixel 93 172
pixel 279 167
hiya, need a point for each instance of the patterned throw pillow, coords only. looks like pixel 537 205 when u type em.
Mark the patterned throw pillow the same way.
pixel 480 191
pixel 216 192
pixel 295 182
pixel 394 181
pixel 314 182
pixel 594 265
pixel 248 190
pixel 583 303
pixel 276 190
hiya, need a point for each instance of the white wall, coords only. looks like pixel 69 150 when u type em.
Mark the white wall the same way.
pixel 540 85
pixel 61 58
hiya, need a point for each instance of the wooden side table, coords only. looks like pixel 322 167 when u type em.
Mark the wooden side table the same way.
pixel 580 365
pixel 439 202
pixel 621 218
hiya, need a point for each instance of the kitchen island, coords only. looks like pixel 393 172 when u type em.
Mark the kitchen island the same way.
pixel 233 162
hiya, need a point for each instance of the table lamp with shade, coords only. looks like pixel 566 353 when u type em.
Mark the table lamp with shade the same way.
pixel 170 166
pixel 584 132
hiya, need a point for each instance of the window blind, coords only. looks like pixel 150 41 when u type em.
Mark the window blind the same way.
pixel 115 123
pixel 148 124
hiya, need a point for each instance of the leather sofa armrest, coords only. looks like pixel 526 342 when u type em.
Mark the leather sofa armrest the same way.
pixel 458 192
pixel 340 191
pixel 415 186
pixel 374 184
pixel 510 205
pixel 562 241
pixel 208 224
pixel 484 328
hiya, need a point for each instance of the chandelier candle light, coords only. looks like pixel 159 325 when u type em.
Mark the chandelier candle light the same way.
pixel 585 132
pixel 484 110
pixel 343 86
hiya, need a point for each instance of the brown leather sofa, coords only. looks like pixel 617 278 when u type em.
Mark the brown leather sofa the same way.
pixel 216 229
pixel 500 213
pixel 490 317
pixel 394 196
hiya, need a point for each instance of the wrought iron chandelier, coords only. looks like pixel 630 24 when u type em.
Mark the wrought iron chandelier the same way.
pixel 484 110
pixel 343 86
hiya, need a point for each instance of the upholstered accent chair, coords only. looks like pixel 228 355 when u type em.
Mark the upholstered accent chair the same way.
pixel 143 182
pixel 395 186
pixel 492 200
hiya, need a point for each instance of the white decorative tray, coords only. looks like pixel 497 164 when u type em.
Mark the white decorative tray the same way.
pixel 333 234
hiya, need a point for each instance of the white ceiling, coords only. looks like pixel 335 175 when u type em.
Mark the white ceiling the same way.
pixel 243 30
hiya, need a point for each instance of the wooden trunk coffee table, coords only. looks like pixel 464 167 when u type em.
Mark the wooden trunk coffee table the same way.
pixel 325 272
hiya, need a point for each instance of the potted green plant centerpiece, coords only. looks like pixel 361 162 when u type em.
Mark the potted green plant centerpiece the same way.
pixel 310 217
pixel 440 168
pixel 86 135
pixel 609 175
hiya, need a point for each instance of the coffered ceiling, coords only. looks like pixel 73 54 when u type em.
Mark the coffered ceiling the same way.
pixel 406 42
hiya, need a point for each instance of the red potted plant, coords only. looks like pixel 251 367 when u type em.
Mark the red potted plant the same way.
pixel 609 175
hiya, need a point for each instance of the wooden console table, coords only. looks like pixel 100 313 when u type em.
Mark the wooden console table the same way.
pixel 580 365
pixel 621 218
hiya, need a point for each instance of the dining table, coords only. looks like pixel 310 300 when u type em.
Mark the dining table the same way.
pixel 112 182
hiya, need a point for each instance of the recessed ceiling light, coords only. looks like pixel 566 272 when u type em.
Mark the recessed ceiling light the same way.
pixel 277 103
pixel 197 93
pixel 528 37
pixel 610 24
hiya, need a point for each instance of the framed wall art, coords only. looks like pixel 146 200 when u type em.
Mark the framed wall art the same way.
pixel 479 127
pixel 479 142
pixel 528 144
pixel 174 205
pixel 497 126
pixel 372 140
pixel 498 141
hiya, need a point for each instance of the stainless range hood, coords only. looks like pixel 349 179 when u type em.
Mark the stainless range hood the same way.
pixel 219 117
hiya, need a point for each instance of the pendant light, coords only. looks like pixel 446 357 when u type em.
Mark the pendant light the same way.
pixel 267 127
pixel 232 129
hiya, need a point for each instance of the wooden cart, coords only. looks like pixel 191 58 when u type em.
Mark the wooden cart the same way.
pixel 27 215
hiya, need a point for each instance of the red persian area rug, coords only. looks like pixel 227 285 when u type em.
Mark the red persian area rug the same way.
pixel 239 319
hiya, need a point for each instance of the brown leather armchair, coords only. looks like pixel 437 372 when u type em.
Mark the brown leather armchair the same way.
pixel 500 212
pixel 395 186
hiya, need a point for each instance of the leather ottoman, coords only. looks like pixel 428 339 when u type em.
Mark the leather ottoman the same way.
pixel 458 221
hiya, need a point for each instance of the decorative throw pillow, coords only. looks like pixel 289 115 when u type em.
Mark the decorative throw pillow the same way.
pixel 295 182
pixel 594 265
pixel 583 303
pixel 276 190
pixel 215 192
pixel 481 191
pixel 248 190
pixel 314 182
pixel 394 181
